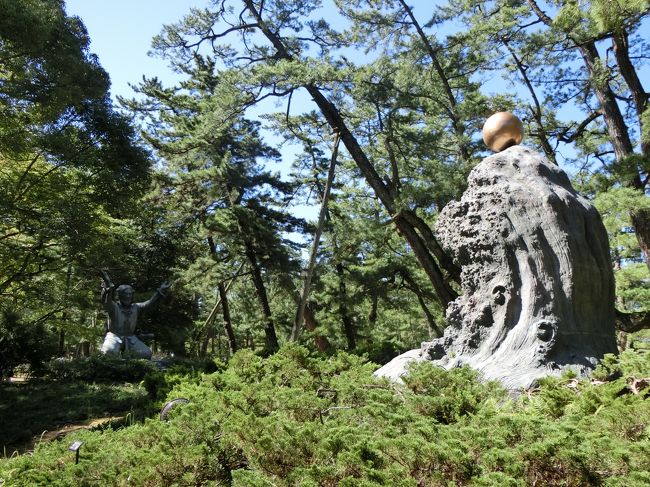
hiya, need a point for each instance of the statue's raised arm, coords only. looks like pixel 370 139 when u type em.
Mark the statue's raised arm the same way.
pixel 108 289
pixel 160 293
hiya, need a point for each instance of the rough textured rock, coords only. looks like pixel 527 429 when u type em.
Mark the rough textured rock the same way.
pixel 538 288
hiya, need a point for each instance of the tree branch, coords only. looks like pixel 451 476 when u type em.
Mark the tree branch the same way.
pixel 632 322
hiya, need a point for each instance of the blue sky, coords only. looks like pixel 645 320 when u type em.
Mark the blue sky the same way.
pixel 121 33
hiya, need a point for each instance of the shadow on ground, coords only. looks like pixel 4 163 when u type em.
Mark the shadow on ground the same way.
pixel 43 410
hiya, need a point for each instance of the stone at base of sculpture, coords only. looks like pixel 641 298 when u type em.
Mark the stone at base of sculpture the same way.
pixel 537 283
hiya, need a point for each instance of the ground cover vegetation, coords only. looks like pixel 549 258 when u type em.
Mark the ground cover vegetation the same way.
pixel 88 392
pixel 296 418
pixel 33 412
pixel 380 104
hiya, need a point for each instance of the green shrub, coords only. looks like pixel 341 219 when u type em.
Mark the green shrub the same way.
pixel 629 364
pixel 298 419
pixel 99 368
pixel 23 343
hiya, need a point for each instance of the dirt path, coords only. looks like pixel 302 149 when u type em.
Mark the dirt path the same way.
pixel 62 431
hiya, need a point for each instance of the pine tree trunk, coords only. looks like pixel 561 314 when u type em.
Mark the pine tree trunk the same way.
pixel 64 315
pixel 227 324
pixel 304 295
pixel 403 218
pixel 629 74
pixel 271 337
pixel 620 139
pixel 617 129
pixel 434 330
pixel 61 349
pixel 262 297
pixel 641 223
pixel 323 345
pixel 640 219
pixel 374 307
pixel 614 120
pixel 223 302
pixel 346 320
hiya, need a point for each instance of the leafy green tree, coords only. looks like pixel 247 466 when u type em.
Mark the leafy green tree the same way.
pixel 69 165
pixel 370 278
pixel 632 283
pixel 369 293
pixel 560 55
pixel 582 29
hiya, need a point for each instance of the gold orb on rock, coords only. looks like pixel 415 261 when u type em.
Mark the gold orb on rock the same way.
pixel 502 130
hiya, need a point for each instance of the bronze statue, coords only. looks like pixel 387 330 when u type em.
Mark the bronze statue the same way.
pixel 123 317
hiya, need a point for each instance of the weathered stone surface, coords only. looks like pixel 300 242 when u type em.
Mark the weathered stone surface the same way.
pixel 538 288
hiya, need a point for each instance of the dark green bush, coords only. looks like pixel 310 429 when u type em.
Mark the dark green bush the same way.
pixel 29 409
pixel 99 368
pixel 23 343
pixel 108 368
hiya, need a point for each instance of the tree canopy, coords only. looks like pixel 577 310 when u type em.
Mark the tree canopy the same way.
pixel 71 172
pixel 191 181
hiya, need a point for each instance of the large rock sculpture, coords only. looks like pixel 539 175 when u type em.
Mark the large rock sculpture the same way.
pixel 538 288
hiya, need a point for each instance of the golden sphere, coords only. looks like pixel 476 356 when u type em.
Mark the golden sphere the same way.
pixel 502 130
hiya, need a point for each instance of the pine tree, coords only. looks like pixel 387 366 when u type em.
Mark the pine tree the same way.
pixel 213 182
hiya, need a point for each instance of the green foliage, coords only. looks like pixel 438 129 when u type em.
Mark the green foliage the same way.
pixel 99 368
pixel 633 286
pixel 46 67
pixel 632 278
pixel 159 383
pixel 628 364
pixel 612 15
pixel 296 419
pixel 445 397
pixel 69 165
pixel 216 197
pixel 21 343
pixel 645 127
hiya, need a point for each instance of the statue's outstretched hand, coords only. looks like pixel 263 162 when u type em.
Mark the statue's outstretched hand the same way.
pixel 164 288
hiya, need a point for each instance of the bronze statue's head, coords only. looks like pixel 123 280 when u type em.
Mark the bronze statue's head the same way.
pixel 125 294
